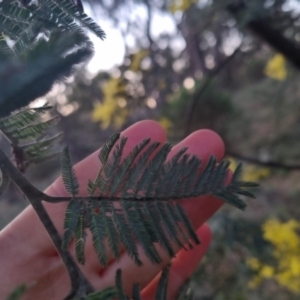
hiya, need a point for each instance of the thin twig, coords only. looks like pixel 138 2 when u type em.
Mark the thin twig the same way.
pixel 149 19
pixel 204 87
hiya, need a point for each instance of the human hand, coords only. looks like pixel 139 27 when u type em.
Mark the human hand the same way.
pixel 28 255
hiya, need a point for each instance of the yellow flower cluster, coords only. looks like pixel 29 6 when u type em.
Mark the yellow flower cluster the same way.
pixel 181 5
pixel 112 111
pixel 276 68
pixel 137 58
pixel 286 243
pixel 250 172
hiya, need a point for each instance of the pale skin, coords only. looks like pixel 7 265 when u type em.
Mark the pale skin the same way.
pixel 28 255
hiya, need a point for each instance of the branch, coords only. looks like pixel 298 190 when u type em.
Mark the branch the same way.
pixel 273 37
pixel 149 17
pixel 269 163
pixel 79 283
pixel 204 87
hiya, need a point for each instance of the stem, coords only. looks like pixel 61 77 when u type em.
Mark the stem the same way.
pixel 79 284
pixel 51 199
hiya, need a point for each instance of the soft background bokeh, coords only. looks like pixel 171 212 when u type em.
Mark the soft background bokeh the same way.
pixel 189 65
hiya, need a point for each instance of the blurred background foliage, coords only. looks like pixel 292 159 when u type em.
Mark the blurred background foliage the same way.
pixel 227 65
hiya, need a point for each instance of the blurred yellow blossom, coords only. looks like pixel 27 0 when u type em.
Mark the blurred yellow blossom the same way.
pixel 181 5
pixel 166 123
pixel 253 263
pixel 137 58
pixel 267 271
pixel 286 251
pixel 276 67
pixel 250 172
pixel 112 111
pixel 282 235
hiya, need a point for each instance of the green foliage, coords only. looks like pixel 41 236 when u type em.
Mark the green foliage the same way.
pixel 43 16
pixel 80 236
pixel 26 132
pixel 71 220
pixel 146 186
pixel 68 173
pixel 71 11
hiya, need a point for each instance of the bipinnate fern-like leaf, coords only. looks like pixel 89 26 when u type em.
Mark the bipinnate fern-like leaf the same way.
pixel 20 119
pixel 31 132
pixel 40 44
pixel 27 134
pixel 98 230
pixel 161 292
pixel 70 9
pixel 80 236
pixel 133 199
pixel 68 173
pixel 23 24
pixel 70 224
pixel 119 286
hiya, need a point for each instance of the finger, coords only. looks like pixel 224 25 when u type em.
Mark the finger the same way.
pixel 183 266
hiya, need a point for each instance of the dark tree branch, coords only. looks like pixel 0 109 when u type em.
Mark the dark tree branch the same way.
pixel 149 18
pixel 269 163
pixel 79 284
pixel 273 37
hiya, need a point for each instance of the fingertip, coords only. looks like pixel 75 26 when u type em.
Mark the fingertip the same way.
pixel 146 129
pixel 205 143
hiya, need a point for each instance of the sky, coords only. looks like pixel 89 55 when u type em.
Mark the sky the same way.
pixel 111 51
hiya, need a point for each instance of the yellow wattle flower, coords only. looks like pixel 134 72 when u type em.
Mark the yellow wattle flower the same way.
pixel 276 68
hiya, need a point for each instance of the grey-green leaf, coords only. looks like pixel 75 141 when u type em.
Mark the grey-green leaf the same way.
pixel 68 173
